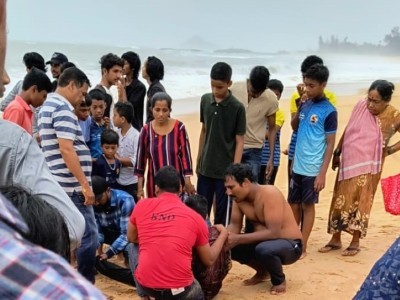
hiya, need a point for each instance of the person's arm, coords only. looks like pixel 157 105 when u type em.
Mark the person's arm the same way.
pixel 186 159
pixel 239 139
pixel 240 131
pixel 202 140
pixel 396 147
pixel 337 153
pixel 3 45
pixel 11 95
pixel 271 141
pixel 209 254
pixel 273 218
pixel 132 233
pixel 236 222
pixel 295 121
pixel 72 162
pixel 319 183
pixel 29 169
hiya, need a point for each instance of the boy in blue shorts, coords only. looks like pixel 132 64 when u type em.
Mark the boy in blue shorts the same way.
pixel 221 141
pixel 316 125
pixel 107 166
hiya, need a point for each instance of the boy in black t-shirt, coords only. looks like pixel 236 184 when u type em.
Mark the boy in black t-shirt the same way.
pixel 107 166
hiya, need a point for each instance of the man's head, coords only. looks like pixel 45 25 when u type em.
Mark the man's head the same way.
pixel 109 141
pixel 35 87
pixel 131 63
pixel 309 61
pixel 315 80
pixel 276 86
pixel 73 85
pixel 123 114
pixel 257 82
pixel 34 60
pixel 167 179
pixel 82 110
pixel 153 69
pixel 47 227
pixel 199 204
pixel 67 65
pixel 57 59
pixel 101 192
pixel 221 75
pixel 99 104
pixel 238 179
pixel 111 69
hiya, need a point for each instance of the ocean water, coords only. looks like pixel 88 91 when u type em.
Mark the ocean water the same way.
pixel 187 70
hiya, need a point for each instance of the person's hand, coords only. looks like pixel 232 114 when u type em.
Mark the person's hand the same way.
pixel 89 195
pixel 106 122
pixel 301 89
pixel 233 240
pixel 319 183
pixel 335 162
pixel 189 187
pixel 269 169
pixel 103 256
pixel 120 88
pixel 140 194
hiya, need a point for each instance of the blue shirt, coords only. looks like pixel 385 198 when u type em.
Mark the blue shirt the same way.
pixel 316 119
pixel 110 172
pixel 277 152
pixel 57 121
pixel 116 218
pixel 85 127
pixel 94 141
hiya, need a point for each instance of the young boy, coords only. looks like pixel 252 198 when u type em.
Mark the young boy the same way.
pixel 35 87
pixel 316 125
pixel 99 122
pixel 221 142
pixel 107 166
pixel 82 111
pixel 276 87
pixel 128 145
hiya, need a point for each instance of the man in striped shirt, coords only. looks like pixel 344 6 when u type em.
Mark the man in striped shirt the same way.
pixel 69 158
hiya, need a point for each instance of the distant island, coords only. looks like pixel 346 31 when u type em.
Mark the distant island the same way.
pixel 390 45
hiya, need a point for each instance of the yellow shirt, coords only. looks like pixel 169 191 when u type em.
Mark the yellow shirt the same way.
pixel 328 94
pixel 280 118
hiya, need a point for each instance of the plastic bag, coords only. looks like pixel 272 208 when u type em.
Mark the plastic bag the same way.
pixel 391 194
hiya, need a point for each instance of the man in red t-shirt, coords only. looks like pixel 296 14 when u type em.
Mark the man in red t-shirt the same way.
pixel 166 231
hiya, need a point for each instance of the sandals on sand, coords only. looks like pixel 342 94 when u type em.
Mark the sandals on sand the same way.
pixel 350 251
pixel 328 248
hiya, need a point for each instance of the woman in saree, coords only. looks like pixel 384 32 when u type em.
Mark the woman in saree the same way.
pixel 360 155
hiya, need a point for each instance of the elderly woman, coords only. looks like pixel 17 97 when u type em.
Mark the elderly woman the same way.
pixel 360 155
pixel 163 141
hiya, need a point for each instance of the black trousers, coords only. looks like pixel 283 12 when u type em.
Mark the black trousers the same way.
pixel 271 254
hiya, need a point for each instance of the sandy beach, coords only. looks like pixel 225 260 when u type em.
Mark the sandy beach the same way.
pixel 329 275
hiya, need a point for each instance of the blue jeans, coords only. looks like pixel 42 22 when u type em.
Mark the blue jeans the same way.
pixel 252 157
pixel 133 254
pixel 208 187
pixel 86 253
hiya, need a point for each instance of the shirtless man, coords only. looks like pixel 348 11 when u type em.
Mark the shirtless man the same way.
pixel 272 237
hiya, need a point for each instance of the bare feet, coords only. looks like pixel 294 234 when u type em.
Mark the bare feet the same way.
pixel 304 254
pixel 279 289
pixel 257 278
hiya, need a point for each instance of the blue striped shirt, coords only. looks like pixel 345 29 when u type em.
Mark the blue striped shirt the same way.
pixel 57 121
pixel 116 218
pixel 277 152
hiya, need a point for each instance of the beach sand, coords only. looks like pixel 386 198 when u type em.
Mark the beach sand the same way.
pixel 329 275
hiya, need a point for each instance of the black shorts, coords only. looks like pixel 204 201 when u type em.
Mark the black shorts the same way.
pixel 301 190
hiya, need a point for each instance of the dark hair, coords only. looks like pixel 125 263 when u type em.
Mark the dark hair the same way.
pixel 276 85
pixel 47 227
pixel 318 73
pixel 240 172
pixel 309 61
pixel 110 60
pixel 87 102
pixel 259 77
pixel 221 71
pixel 133 60
pixel 168 179
pixel 34 59
pixel 99 185
pixel 97 94
pixel 384 88
pixel 125 109
pixel 159 96
pixel 66 65
pixel 38 78
pixel 73 74
pixel 154 68
pixel 199 204
pixel 109 136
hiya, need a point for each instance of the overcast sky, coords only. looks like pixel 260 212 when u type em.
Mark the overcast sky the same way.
pixel 262 25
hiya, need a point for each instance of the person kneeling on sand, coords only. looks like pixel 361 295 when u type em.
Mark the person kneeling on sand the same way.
pixel 271 238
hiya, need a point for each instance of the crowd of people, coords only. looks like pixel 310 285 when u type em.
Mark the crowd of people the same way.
pixel 87 168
